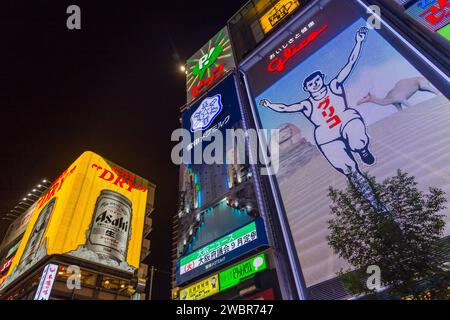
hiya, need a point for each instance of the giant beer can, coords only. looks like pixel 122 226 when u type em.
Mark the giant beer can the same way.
pixel 111 226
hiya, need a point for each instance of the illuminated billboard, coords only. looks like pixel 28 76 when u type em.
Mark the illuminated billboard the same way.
pixel 348 101
pixel 201 290
pixel 218 110
pixel 45 287
pixel 432 14
pixel 94 211
pixel 205 214
pixel 18 227
pixel 277 13
pixel 209 65
pixel 233 276
pixel 226 279
pixel 221 251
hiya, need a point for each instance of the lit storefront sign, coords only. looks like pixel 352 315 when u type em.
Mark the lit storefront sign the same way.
pixel 209 64
pixel 221 251
pixel 46 284
pixel 234 275
pixel 277 13
pixel 201 290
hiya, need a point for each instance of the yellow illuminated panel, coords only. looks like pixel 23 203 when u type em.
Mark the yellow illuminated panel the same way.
pixel 201 289
pixel 277 13
pixel 94 211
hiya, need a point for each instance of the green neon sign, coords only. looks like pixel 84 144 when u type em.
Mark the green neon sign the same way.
pixel 445 32
pixel 209 64
pixel 234 275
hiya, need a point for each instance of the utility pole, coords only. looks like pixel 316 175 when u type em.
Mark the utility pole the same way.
pixel 152 273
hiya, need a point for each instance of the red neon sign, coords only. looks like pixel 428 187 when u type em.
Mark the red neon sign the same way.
pixel 436 9
pixel 7 264
pixel 279 64
pixel 204 84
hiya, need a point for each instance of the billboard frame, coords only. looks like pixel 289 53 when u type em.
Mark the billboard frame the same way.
pixel 249 61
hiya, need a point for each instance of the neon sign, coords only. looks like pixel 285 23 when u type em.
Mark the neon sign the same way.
pixel 432 14
pixel 6 265
pixel 208 65
pixel 277 14
pixel 205 114
pixel 278 64
pixel 435 13
pixel 234 275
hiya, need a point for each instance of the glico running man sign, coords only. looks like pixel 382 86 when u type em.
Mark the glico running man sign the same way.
pixel 350 101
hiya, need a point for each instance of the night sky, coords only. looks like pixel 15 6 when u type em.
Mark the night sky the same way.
pixel 114 87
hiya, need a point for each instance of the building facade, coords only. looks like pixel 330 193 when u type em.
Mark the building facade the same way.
pixel 85 237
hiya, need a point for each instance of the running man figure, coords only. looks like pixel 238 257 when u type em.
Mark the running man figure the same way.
pixel 339 130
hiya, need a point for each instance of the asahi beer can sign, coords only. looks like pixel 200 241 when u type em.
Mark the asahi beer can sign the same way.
pixel 110 229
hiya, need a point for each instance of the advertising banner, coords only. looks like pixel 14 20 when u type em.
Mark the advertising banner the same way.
pixel 432 14
pixel 219 110
pixel 95 211
pixel 6 265
pixel 221 251
pixel 204 186
pixel 348 101
pixel 201 290
pixel 276 13
pixel 46 284
pixel 18 227
pixel 4 269
pixel 233 276
pixel 209 65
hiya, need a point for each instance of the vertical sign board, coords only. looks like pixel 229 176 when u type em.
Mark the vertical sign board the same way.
pixel 336 91
pixel 218 110
pixel 46 283
pixel 206 67
pixel 201 183
pixel 221 251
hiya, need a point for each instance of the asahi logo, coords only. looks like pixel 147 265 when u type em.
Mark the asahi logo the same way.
pixel 106 218
pixel 109 233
